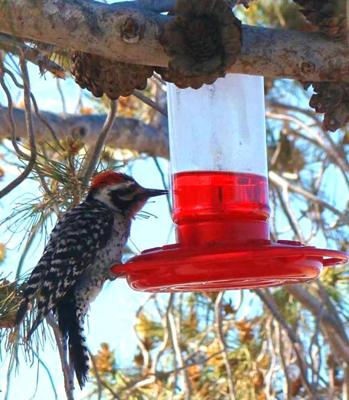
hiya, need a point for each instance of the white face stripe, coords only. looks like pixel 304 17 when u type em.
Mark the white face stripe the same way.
pixel 122 185
pixel 103 196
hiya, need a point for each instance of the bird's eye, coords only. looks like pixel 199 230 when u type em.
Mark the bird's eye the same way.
pixel 126 196
pixel 125 193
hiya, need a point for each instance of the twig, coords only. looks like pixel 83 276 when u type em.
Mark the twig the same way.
pixel 29 124
pixel 289 118
pixel 268 300
pixel 335 153
pixel 326 300
pixel 320 135
pixel 269 327
pixel 10 114
pixel 148 380
pixel 68 382
pixel 111 390
pixel 165 322
pixel 164 184
pixel 137 93
pixel 290 107
pixel 46 123
pixel 93 159
pixel 282 182
pixel 315 356
pixel 144 351
pixel 283 362
pixel 178 353
pixel 151 376
pixel 102 382
pixel 165 374
pixel 220 334
pixel 60 91
pixel 140 342
pixel 331 149
pixel 201 362
pixel 288 212
pixel 36 108
pixel 328 322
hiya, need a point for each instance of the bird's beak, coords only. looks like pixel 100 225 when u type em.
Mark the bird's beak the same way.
pixel 147 193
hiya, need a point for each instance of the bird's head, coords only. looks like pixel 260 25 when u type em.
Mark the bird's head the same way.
pixel 121 192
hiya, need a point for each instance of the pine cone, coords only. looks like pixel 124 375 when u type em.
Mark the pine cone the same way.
pixel 332 99
pixel 203 40
pixel 328 15
pixel 102 76
pixel 184 82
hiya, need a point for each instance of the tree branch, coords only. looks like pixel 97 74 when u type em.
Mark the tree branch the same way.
pixel 99 28
pixel 328 323
pixel 126 133
pixel 93 158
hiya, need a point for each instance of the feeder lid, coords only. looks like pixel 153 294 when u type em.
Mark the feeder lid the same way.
pixel 218 267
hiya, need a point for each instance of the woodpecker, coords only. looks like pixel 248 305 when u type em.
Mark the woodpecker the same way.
pixel 76 262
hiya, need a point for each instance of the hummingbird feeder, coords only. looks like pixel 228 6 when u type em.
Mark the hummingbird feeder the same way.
pixel 220 199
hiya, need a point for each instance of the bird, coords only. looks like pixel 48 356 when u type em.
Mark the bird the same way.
pixel 76 261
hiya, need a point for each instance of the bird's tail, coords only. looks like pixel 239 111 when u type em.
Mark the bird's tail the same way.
pixel 73 330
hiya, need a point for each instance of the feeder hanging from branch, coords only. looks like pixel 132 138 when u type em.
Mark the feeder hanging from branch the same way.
pixel 220 199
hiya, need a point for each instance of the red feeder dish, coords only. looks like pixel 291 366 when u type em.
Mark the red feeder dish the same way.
pixel 220 200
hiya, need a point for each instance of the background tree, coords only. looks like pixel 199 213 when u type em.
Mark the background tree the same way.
pixel 280 343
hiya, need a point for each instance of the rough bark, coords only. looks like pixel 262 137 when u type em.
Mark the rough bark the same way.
pixel 126 133
pixel 126 33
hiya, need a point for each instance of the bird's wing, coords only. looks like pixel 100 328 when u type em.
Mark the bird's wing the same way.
pixel 72 247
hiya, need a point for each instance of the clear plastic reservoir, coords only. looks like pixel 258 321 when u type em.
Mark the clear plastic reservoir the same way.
pixel 211 129
pixel 218 153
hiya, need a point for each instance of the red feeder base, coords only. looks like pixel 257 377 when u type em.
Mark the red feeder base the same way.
pixel 221 267
pixel 223 241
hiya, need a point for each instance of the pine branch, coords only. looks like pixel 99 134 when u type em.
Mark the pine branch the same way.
pixel 11 45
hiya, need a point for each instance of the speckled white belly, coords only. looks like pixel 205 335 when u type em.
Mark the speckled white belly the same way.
pixel 92 280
